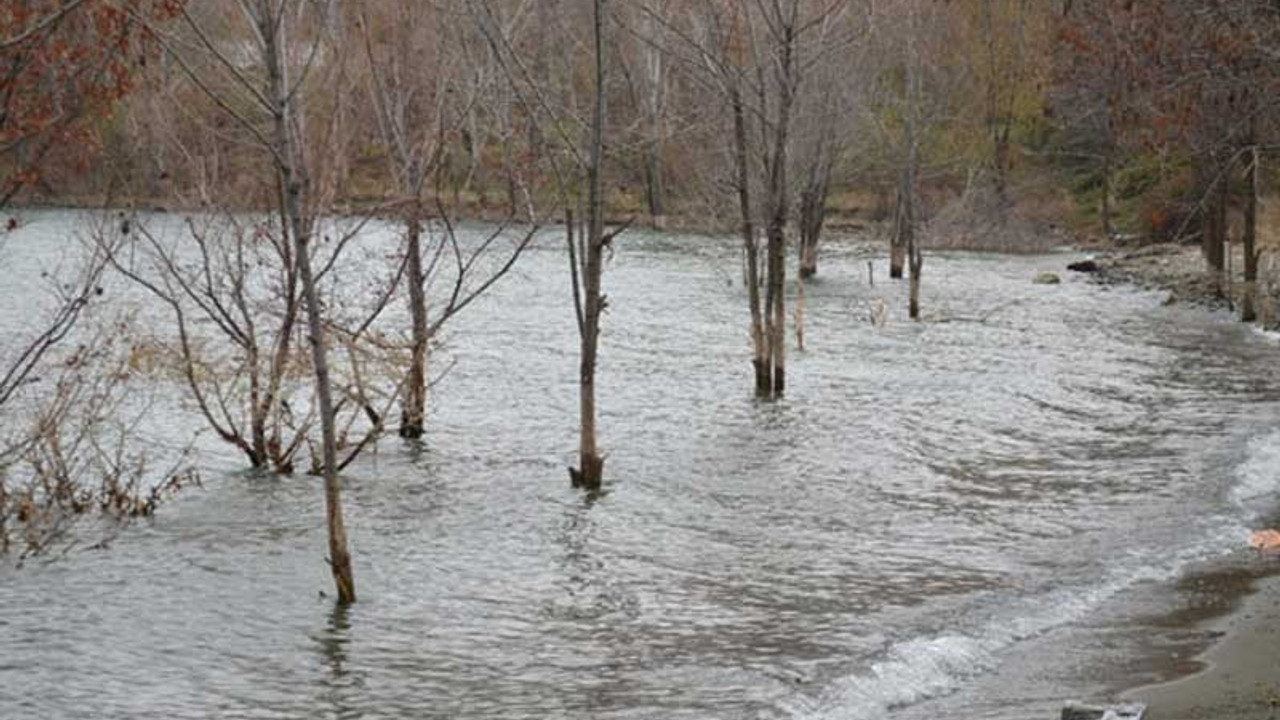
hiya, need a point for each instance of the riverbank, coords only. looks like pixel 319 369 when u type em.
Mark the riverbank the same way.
pixel 1176 269
pixel 1236 676
pixel 1239 674
pixel 1179 271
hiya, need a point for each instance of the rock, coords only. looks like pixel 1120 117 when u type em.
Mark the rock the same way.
pixel 1048 278
pixel 1085 266
pixel 1128 711
pixel 1171 300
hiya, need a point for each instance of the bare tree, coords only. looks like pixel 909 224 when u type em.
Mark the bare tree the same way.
pixel 410 95
pixel 752 56
pixel 910 166
pixel 277 71
pixel 648 87
pixel 586 247
pixel 827 106
pixel 68 449
pixel 65 445
pixel 590 303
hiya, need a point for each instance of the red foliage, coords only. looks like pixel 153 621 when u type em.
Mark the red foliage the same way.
pixel 63 64
pixel 1172 74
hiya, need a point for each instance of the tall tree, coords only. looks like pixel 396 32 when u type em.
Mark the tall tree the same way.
pixel 591 303
pixel 411 95
pixel 277 71
pixel 753 56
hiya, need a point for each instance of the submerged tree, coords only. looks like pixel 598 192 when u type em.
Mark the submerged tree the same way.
pixel 590 302
pixel 411 97
pixel 276 70
pixel 754 57
pixel 558 124
pixel 67 449
pixel 68 403
pixel 910 167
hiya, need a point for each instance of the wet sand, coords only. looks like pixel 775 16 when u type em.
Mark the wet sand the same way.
pixel 1237 676
pixel 1240 672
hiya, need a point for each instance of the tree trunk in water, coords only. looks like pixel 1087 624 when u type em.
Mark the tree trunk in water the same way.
pixel 917 265
pixel 1106 196
pixel 293 182
pixel 808 256
pixel 779 203
pixel 813 215
pixel 1248 312
pixel 777 255
pixel 898 241
pixel 760 348
pixel 905 236
pixel 800 314
pixel 339 557
pixel 257 419
pixel 1219 254
pixel 1215 231
pixel 590 469
pixel 414 402
pixel 915 257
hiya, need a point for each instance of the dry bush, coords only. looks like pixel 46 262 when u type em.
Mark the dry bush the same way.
pixel 71 453
pixel 980 220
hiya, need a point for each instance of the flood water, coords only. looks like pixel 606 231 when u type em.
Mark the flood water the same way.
pixel 927 501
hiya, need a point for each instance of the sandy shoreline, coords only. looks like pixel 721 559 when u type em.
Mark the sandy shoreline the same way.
pixel 1240 675
pixel 1237 675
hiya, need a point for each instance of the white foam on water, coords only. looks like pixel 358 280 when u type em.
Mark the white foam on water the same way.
pixel 1268 335
pixel 1258 477
pixel 911 671
pixel 923 668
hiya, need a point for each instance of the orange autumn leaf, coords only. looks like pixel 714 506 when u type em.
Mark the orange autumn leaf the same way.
pixel 1266 540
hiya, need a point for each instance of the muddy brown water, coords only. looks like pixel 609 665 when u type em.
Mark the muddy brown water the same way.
pixel 932 509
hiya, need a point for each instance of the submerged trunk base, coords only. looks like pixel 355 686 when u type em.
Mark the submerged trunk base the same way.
pixel 590 475
pixel 764 383
pixel 343 578
pixel 1247 312
pixel 413 416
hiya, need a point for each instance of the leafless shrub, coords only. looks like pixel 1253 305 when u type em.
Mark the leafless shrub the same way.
pixel 68 451
pixel 980 220
pixel 229 284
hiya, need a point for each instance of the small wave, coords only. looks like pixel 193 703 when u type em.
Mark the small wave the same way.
pixel 911 671
pixel 921 669
pixel 1258 477
pixel 1271 336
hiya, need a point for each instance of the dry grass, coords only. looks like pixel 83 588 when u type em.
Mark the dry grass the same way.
pixel 1029 222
